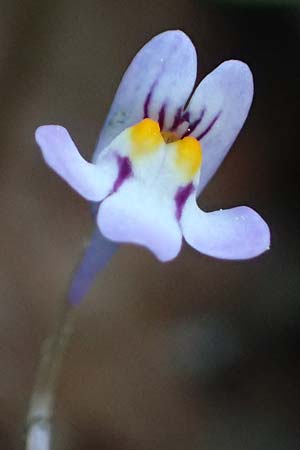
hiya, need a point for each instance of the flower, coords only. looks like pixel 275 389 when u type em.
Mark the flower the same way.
pixel 157 151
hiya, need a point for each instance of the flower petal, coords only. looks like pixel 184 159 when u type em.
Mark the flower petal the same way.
pixel 61 154
pixel 219 108
pixel 156 84
pixel 237 233
pixel 140 216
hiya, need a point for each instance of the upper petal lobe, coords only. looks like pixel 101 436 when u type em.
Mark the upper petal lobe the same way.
pixel 221 102
pixel 158 81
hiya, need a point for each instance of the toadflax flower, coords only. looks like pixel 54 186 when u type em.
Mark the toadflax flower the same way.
pixel 158 149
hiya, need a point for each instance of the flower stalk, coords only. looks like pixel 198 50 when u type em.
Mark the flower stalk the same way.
pixel 38 434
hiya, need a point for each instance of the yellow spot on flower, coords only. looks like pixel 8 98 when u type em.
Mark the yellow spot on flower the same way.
pixel 188 156
pixel 145 137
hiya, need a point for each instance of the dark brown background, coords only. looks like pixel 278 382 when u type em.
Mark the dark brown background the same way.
pixel 195 354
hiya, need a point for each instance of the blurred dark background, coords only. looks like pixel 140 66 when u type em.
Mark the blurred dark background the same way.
pixel 197 354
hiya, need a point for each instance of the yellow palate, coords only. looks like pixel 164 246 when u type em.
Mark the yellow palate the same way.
pixel 188 156
pixel 145 137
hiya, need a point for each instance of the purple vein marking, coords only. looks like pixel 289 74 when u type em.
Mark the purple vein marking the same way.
pixel 125 171
pixel 148 99
pixel 180 118
pixel 146 103
pixel 176 119
pixel 207 130
pixel 194 124
pixel 161 116
pixel 181 197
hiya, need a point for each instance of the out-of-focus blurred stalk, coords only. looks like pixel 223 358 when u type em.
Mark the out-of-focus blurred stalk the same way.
pixel 39 417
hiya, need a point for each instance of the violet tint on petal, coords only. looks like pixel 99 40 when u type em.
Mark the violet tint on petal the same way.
pixel 237 233
pixel 222 101
pixel 157 83
pixel 61 154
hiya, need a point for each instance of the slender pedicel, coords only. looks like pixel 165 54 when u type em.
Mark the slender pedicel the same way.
pixel 38 431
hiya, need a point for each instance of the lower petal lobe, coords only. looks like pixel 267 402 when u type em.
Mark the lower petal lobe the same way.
pixel 141 216
pixel 237 233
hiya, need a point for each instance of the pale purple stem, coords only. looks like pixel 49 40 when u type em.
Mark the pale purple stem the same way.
pixel 96 256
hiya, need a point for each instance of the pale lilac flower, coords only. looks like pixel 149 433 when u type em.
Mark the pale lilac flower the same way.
pixel 157 151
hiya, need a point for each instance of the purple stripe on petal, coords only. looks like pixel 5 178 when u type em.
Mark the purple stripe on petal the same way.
pixel 181 197
pixel 194 124
pixel 207 130
pixel 161 116
pixel 146 104
pixel 184 118
pixel 180 118
pixel 148 99
pixel 177 118
pixel 125 171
